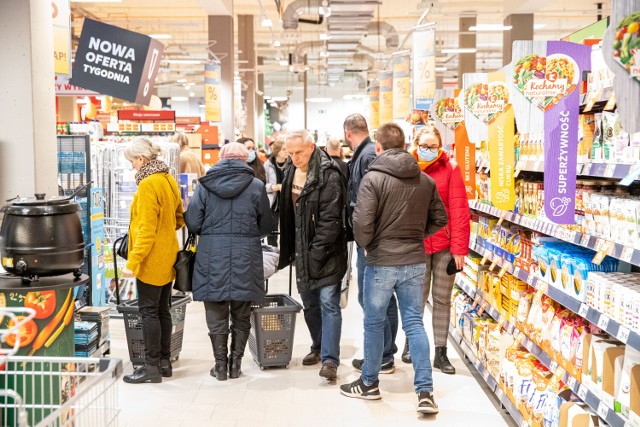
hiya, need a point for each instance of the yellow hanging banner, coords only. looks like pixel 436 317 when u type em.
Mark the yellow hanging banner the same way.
pixel 501 148
pixel 374 106
pixel 401 86
pixel 212 88
pixel 386 97
pixel 61 14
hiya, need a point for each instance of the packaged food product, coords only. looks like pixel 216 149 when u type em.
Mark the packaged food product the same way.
pixel 631 359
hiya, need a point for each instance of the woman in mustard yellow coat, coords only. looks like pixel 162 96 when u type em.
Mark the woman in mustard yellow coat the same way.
pixel 156 214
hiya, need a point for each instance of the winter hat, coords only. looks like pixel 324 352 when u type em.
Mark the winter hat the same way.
pixel 234 150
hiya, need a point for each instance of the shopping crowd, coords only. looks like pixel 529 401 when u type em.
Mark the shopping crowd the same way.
pixel 407 211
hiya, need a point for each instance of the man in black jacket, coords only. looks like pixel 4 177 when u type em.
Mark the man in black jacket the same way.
pixel 312 212
pixel 356 133
pixel 398 207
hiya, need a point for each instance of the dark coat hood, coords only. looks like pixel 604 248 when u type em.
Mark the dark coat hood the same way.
pixel 228 178
pixel 396 162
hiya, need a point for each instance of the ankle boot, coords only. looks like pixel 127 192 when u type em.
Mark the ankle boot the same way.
pixel 441 361
pixel 144 374
pixel 238 344
pixel 406 357
pixel 219 344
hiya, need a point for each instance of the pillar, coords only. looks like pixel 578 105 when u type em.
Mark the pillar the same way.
pixel 247 57
pixel 28 159
pixel 260 126
pixel 522 24
pixel 305 94
pixel 221 38
pixel 466 39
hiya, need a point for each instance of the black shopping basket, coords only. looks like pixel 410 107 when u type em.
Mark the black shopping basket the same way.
pixel 273 323
pixel 133 320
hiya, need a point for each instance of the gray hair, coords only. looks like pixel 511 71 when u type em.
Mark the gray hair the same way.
pixel 356 123
pixel 144 147
pixel 334 145
pixel 299 134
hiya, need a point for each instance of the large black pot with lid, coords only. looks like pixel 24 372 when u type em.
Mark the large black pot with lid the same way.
pixel 42 236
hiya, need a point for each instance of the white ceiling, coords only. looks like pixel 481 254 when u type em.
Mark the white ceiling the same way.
pixel 186 22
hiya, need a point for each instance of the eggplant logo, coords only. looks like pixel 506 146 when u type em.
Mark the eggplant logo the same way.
pixel 559 205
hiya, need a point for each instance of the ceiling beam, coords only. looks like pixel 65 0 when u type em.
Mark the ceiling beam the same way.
pixel 217 7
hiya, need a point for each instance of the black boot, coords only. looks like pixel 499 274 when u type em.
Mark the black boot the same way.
pixel 144 374
pixel 406 357
pixel 238 344
pixel 441 361
pixel 166 368
pixel 219 344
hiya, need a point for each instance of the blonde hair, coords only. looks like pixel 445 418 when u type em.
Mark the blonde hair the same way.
pixel 429 129
pixel 181 139
pixel 144 147
pixel 276 147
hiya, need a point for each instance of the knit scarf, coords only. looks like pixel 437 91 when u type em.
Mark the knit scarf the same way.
pixel 149 168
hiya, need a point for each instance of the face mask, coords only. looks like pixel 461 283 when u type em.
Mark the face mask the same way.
pixel 252 156
pixel 427 155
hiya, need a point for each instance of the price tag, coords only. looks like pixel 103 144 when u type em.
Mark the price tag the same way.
pixel 486 375
pixel 610 171
pixel 603 410
pixel 493 264
pixel 475 301
pixel 506 266
pixel 531 280
pixel 603 322
pixel 584 241
pixel 584 309
pixel 587 169
pixel 517 172
pixel 501 220
pixel 599 243
pixel 623 334
pixel 553 366
pixel 582 392
pixel 499 394
pixel 627 254
pixel 501 322
pixel 572 236
pixel 516 272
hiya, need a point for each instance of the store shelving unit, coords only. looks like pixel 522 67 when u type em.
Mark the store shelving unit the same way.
pixel 592 170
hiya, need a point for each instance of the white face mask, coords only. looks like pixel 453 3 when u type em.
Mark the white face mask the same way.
pixel 252 156
pixel 427 154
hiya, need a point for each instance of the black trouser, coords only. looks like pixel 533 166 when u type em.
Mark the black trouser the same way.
pixel 217 314
pixel 154 303
pixel 313 317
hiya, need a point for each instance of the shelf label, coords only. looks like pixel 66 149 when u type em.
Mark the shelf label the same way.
pixel 499 394
pixel 501 322
pixel 623 334
pixel 610 170
pixel 599 243
pixel 516 272
pixel 586 170
pixel 572 383
pixel 603 322
pixel 584 241
pixel 603 410
pixel 627 254
pixel 584 309
pixel 524 423
pixel 572 236
pixel 553 366
pixel 506 266
pixel 502 217
pixel 531 280
pixel 493 264
pixel 582 392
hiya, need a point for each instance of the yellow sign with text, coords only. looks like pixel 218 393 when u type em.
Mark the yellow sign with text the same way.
pixel 374 106
pixel 212 92
pixel 502 154
pixel 61 14
pixel 386 97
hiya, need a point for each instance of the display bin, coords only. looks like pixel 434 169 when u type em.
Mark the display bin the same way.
pixel 273 324
pixel 133 327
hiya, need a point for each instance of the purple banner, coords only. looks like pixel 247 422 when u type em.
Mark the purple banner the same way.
pixel 561 122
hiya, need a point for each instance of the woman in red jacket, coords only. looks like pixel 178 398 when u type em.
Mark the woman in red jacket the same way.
pixel 452 242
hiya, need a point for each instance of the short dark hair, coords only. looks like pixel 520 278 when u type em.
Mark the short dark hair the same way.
pixel 356 123
pixel 390 135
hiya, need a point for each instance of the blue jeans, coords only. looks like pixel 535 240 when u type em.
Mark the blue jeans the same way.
pixel 391 320
pixel 380 283
pixel 330 327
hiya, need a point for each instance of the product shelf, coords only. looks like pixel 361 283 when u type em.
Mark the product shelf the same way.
pixel 587 396
pixel 618 250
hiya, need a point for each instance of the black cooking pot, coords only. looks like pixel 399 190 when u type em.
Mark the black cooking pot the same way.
pixel 42 236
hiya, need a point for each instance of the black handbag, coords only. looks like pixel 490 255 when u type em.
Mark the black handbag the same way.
pixel 185 262
pixel 121 246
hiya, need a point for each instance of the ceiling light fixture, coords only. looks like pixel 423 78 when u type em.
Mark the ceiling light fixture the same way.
pixel 179 98
pixel 276 43
pixel 266 22
pixel 182 61
pixel 319 100
pixel 441 68
pixel 160 36
pixel 284 63
pixel 490 27
pixel 460 50
pixel 181 80
pixel 539 26
pixel 192 94
pixel 324 36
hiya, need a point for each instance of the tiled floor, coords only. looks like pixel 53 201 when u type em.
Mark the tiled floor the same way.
pixel 296 396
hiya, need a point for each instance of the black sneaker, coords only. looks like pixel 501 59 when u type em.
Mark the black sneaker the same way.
pixel 427 404
pixel 385 368
pixel 311 359
pixel 329 371
pixel 359 390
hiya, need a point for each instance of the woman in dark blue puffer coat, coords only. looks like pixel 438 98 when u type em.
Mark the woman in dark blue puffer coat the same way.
pixel 230 212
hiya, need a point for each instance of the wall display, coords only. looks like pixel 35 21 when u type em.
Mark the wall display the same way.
pixel 550 80
pixel 401 85
pixel 61 14
pixel 424 68
pixel 116 62
pixel 374 105
pixel 624 27
pixel 386 97
pixel 212 88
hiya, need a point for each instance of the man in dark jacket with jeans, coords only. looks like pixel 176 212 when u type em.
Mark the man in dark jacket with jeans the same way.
pixel 312 211
pixel 398 206
pixel 356 133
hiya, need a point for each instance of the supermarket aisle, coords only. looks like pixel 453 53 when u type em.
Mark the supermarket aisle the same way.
pixel 296 396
